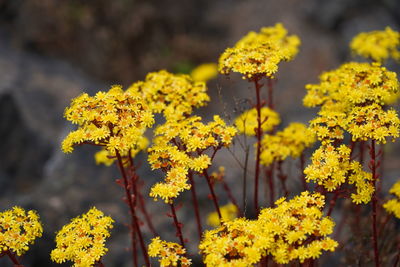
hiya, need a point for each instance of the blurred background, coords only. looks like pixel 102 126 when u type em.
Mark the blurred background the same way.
pixel 51 51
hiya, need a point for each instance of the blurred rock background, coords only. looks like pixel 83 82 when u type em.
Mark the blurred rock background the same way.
pixel 51 51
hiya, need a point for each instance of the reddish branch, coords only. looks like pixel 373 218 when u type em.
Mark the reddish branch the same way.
pixel 258 135
pixel 373 165
pixel 135 224
pixel 178 225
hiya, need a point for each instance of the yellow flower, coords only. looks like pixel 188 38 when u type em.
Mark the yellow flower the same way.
pixel 372 122
pixel 289 142
pixel 293 223
pixel 228 213
pixel 105 157
pixel 205 72
pixel 260 53
pixel 115 120
pixel 353 84
pixel 392 206
pixel 171 254
pixel 247 122
pixel 82 240
pixel 174 95
pixel 377 45
pixel 180 144
pixel 18 229
pixel 295 229
pixel 331 167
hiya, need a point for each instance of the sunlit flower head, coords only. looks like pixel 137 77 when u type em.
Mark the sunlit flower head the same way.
pixel 170 254
pixel 178 148
pixel 372 122
pixel 105 157
pixel 18 230
pixel 173 95
pixel 204 72
pixel 293 230
pixel 247 122
pixel 115 120
pixel 82 241
pixel 228 213
pixel 331 167
pixel 260 53
pixel 377 45
pixel 353 84
pixel 290 142
pixel 392 206
pixel 299 228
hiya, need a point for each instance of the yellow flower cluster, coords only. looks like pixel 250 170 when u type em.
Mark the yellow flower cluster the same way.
pixel 178 147
pixel 240 242
pixel 299 229
pixel 329 125
pixel 115 119
pixel 352 99
pixel 171 254
pixel 377 45
pixel 228 213
pixel 260 53
pixel 219 174
pixel 393 205
pixel 105 157
pixel 295 229
pixel 174 95
pixel 247 122
pixel 82 240
pixel 372 122
pixel 290 142
pixel 353 84
pixel 204 72
pixel 331 167
pixel 18 229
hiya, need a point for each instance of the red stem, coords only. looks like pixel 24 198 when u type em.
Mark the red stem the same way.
pixel 135 180
pixel 270 93
pixel 244 191
pixel 214 197
pixel 270 179
pixel 135 224
pixel 230 195
pixel 332 203
pixel 282 177
pixel 146 215
pixel 14 259
pixel 258 135
pixel 178 225
pixel 302 176
pixel 195 205
pixel 372 166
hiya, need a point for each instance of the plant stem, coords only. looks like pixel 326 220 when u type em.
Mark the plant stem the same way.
pixel 302 176
pixel 135 181
pixel 332 203
pixel 195 205
pixel 244 192
pixel 372 166
pixel 135 224
pixel 230 195
pixel 178 225
pixel 14 259
pixel 214 197
pixel 270 94
pixel 282 177
pixel 258 135
pixel 269 175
